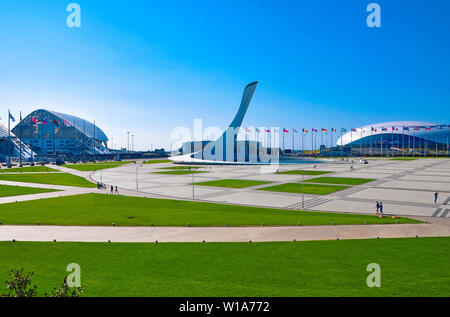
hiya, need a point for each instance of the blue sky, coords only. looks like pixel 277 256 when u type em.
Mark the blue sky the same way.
pixel 150 66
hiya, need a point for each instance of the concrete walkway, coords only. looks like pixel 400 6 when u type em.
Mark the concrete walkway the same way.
pixel 439 228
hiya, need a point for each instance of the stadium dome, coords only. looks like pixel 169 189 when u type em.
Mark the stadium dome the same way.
pixel 417 135
pixel 53 133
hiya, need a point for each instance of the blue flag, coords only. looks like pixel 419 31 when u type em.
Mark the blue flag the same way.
pixel 12 118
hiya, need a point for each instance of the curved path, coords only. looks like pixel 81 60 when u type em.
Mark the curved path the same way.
pixel 439 227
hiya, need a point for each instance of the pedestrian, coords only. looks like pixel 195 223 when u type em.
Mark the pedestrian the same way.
pixel 378 207
pixel 436 194
pixel 112 189
pixel 381 207
pixel 117 190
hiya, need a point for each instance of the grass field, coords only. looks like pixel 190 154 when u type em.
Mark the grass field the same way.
pixel 179 167
pixel 232 183
pixel 300 172
pixel 49 178
pixel 340 180
pixel 179 172
pixel 28 169
pixel 403 159
pixel 157 161
pixel 103 210
pixel 409 267
pixel 96 166
pixel 312 189
pixel 7 191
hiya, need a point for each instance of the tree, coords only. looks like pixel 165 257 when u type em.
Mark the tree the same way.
pixel 20 286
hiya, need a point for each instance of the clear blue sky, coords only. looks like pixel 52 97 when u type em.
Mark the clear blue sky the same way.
pixel 149 66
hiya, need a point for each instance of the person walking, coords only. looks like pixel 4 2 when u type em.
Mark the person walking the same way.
pixel 381 207
pixel 436 194
pixel 378 207
pixel 117 190
pixel 112 189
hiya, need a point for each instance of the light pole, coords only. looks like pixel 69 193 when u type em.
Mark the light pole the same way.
pixel 128 141
pixel 303 192
pixel 137 178
pixel 193 192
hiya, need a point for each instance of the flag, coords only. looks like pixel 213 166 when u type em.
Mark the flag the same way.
pixel 354 130
pixel 416 128
pixel 285 131
pixel 295 131
pixel 12 118
pixel 324 130
pixel 267 131
pixel 372 128
pixel 67 123
pixel 343 130
pixel 55 122
pixel 44 122
pixel 405 129
pixel 305 130
pixel 427 128
pixel 314 130
pixel 394 129
pixel 384 129
pixel 333 130
pixel 34 120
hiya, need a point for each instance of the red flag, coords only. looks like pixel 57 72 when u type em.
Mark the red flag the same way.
pixel 285 131
pixel 324 130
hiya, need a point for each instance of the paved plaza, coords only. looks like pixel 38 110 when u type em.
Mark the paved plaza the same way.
pixel 406 187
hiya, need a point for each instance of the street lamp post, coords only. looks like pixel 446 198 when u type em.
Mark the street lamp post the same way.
pixel 128 141
pixel 303 192
pixel 137 178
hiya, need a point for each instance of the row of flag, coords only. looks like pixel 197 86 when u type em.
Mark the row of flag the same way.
pixel 343 130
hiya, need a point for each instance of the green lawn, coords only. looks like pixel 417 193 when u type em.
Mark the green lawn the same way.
pixel 28 169
pixel 403 159
pixel 340 180
pixel 7 191
pixel 179 167
pixel 103 210
pixel 409 267
pixel 157 161
pixel 179 172
pixel 313 189
pixel 49 178
pixel 300 172
pixel 96 166
pixel 232 183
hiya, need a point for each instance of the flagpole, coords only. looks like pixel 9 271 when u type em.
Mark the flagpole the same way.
pixel 351 141
pixel 20 142
pixel 53 141
pixel 42 139
pixel 403 142
pixel 9 138
pixel 414 141
pixel 425 144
